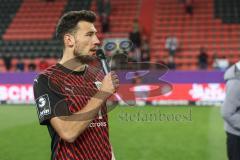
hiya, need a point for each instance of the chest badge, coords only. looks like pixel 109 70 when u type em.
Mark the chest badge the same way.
pixel 98 84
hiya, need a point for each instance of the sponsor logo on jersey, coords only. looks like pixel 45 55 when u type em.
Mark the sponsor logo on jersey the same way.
pixel 98 124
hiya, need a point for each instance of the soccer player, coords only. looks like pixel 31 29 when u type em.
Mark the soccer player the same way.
pixel 71 95
pixel 231 111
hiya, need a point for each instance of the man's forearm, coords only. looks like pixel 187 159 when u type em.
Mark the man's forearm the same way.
pixel 70 127
pixel 90 111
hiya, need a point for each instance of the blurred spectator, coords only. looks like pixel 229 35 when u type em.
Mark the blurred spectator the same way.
pixel 104 10
pixel 20 66
pixel 230 111
pixel 203 59
pixel 220 63
pixel 32 66
pixel 145 50
pixel 105 23
pixel 43 64
pixel 135 38
pixel 172 45
pixel 131 56
pixel 171 64
pixel 135 35
pixel 104 6
pixel 189 7
pixel 7 58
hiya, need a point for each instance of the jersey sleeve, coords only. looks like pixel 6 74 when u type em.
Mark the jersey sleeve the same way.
pixel 49 103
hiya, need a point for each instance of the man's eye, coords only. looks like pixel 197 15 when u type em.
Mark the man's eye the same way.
pixel 90 35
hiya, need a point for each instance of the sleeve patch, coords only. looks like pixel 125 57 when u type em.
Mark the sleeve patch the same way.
pixel 43 106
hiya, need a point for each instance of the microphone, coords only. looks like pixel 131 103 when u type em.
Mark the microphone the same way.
pixel 102 57
pixel 100 54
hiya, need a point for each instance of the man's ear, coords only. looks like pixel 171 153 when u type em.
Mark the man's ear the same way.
pixel 69 40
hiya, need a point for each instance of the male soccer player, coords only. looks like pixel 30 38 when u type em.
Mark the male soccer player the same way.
pixel 231 111
pixel 71 95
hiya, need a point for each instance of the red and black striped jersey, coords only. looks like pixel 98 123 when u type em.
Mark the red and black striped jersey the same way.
pixel 59 91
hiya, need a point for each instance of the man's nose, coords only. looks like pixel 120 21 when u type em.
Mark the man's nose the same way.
pixel 96 41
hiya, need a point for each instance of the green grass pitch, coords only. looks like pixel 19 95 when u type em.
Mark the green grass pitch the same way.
pixel 134 133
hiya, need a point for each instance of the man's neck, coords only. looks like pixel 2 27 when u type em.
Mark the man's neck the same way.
pixel 71 62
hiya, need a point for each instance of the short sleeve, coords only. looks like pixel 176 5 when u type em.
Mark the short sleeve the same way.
pixel 49 103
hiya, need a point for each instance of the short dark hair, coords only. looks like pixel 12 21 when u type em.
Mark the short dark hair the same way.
pixel 68 22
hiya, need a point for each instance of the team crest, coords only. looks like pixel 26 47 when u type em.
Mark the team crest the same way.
pixel 98 84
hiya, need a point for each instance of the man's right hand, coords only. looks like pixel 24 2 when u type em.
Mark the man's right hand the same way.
pixel 110 84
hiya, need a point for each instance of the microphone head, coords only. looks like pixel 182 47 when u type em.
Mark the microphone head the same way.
pixel 100 54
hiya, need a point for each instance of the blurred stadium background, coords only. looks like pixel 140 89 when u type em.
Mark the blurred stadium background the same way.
pixel 207 33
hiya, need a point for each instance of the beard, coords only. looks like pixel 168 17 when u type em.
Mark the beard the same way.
pixel 83 58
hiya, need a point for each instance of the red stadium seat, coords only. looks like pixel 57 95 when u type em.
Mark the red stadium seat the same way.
pixel 35 20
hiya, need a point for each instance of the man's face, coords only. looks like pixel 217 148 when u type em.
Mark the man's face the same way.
pixel 86 40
